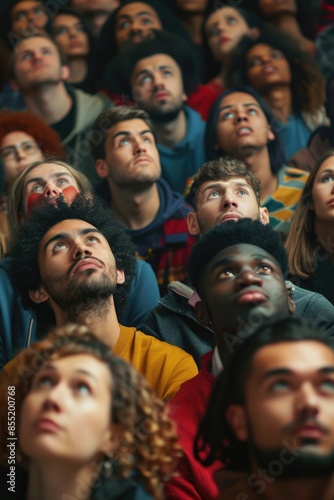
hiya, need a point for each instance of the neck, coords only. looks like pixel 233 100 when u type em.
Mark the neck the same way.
pixel 305 488
pixel 170 134
pixel 258 162
pixel 279 100
pixel 135 207
pixel 100 318
pixel 193 24
pixel 50 102
pixel 52 481
pixel 78 69
pixel 287 21
pixel 325 233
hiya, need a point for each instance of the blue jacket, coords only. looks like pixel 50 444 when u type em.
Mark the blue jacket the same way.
pixel 173 320
pixel 183 160
pixel 20 327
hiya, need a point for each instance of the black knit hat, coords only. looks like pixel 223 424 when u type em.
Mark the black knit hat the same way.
pixel 230 233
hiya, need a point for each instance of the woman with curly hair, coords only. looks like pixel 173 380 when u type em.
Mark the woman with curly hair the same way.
pixel 86 417
pixel 310 243
pixel 288 81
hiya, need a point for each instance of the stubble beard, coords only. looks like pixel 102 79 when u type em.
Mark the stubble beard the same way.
pixel 89 297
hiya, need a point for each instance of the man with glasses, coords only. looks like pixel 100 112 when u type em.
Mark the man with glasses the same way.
pixel 22 16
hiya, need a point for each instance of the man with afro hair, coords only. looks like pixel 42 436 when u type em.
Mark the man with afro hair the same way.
pixel 78 262
pixel 238 271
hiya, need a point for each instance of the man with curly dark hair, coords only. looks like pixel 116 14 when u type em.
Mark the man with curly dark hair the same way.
pixel 78 262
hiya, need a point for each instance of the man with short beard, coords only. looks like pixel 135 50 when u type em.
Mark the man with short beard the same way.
pixel 127 158
pixel 270 418
pixel 78 263
pixel 158 73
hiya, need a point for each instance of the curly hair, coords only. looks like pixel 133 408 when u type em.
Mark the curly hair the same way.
pixel 88 208
pixel 307 83
pixel 120 70
pixel 15 195
pixel 148 442
pixel 25 121
pixel 215 439
pixel 302 242
pixel 230 233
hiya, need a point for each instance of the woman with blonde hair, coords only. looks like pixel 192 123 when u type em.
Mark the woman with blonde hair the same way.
pixel 310 242
pixel 86 417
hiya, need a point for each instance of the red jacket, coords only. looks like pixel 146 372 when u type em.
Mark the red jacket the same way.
pixel 195 482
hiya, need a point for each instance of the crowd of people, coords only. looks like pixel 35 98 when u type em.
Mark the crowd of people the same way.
pixel 166 250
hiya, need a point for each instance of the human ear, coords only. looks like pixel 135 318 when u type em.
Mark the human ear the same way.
pixel 65 73
pixel 101 168
pixel 271 135
pixel 201 313
pixel 264 215
pixel 292 305
pixel 120 276
pixel 236 417
pixel 192 224
pixel 39 296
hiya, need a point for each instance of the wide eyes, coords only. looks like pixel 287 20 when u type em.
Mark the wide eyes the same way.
pixel 231 272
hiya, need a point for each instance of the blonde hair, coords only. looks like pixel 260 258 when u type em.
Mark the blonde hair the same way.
pixel 15 194
pixel 302 242
pixel 148 442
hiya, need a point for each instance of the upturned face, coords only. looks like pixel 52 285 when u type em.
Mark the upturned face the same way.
pixel 66 415
pixel 224 28
pixel 323 192
pixel 289 395
pixel 17 151
pixel 69 34
pixel 267 66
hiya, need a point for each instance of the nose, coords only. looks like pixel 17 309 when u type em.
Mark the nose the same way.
pixel 51 191
pixel 53 398
pixel 139 145
pixel 241 115
pixel 229 200
pixel 20 154
pixel 136 26
pixel 307 404
pixel 80 249
pixel 248 277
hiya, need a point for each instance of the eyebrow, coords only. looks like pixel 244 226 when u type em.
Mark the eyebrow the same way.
pixel 286 371
pixel 128 133
pixel 161 67
pixel 65 235
pixel 141 13
pixel 219 186
pixel 79 370
pixel 246 105
pixel 57 175
pixel 229 260
pixel 327 171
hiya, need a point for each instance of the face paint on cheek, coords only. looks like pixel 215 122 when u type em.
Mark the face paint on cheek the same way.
pixel 35 199
pixel 70 193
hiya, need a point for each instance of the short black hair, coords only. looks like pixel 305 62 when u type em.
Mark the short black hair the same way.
pixel 26 240
pixel 121 68
pixel 232 233
pixel 215 438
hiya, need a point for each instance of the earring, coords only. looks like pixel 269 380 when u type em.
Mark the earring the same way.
pixel 107 466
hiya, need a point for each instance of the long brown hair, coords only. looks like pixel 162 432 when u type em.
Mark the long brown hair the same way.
pixel 302 243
